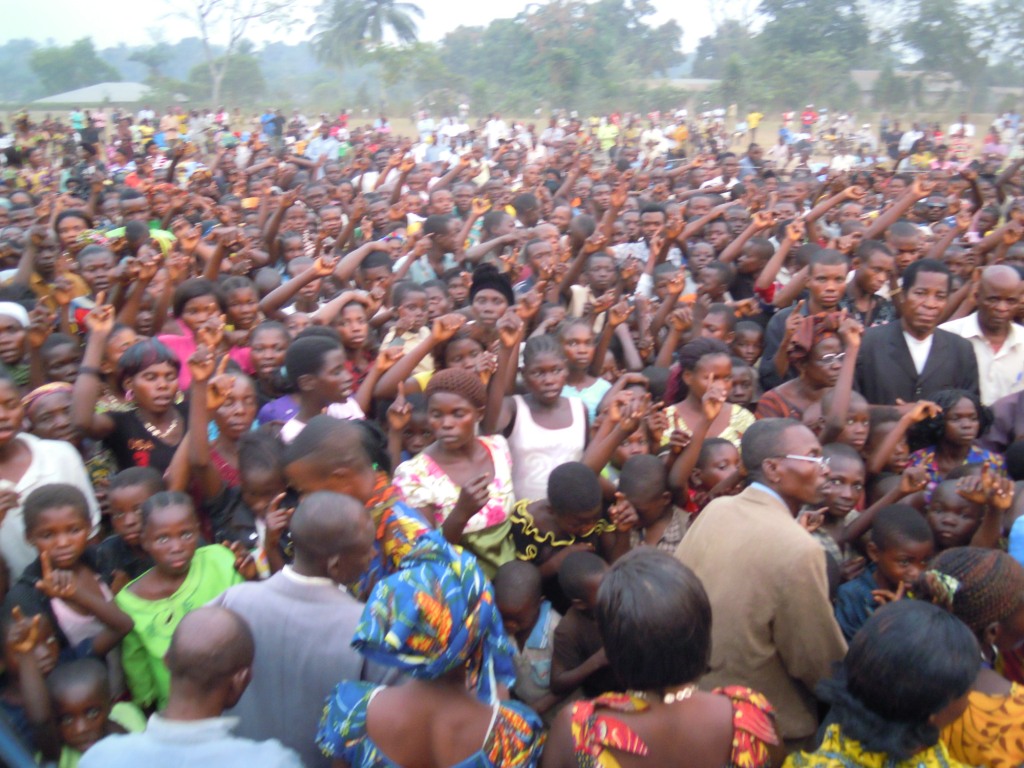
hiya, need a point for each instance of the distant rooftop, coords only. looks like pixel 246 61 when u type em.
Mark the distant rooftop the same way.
pixel 101 93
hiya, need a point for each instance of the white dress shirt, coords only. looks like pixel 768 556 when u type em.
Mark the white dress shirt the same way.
pixel 1000 373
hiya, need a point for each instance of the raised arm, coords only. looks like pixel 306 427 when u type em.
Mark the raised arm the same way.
pixel 88 387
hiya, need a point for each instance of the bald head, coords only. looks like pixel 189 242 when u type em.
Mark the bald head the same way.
pixel 998 298
pixel 326 524
pixel 209 645
pixel 1000 274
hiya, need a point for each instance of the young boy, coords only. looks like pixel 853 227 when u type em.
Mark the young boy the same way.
pixel 844 489
pixel 700 467
pixel 31 651
pixel 579 660
pixel 79 711
pixel 531 623
pixel 316 370
pixel 643 483
pixel 410 330
pixel 748 343
pixel 901 546
pixel 120 557
pixel 953 519
pixel 744 390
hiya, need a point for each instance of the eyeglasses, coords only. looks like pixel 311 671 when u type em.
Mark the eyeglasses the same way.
pixel 833 358
pixel 822 461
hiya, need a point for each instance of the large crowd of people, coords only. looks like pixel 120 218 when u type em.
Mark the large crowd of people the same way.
pixel 593 445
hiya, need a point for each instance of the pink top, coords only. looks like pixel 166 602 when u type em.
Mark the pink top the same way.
pixel 184 346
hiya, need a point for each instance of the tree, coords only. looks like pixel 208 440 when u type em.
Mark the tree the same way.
pixel 813 26
pixel 243 78
pixel 945 38
pixel 222 26
pixel 347 29
pixel 153 59
pixel 69 67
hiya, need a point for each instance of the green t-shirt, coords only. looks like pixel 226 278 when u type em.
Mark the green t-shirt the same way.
pixel 143 649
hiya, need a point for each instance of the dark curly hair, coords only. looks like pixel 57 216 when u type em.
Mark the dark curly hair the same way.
pixel 930 432
pixel 689 358
pixel 906 664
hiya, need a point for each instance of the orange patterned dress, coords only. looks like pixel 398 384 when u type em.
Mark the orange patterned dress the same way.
pixel 597 735
pixel 990 732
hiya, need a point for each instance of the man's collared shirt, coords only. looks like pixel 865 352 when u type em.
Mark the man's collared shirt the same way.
pixel 1000 373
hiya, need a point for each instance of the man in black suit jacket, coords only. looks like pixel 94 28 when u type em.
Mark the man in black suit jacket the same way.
pixel 913 360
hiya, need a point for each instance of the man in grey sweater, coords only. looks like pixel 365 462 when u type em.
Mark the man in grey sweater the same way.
pixel 303 620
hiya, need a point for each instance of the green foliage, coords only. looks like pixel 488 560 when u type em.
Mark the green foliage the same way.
pixel 890 90
pixel 346 30
pixel 64 68
pixel 17 80
pixel 243 79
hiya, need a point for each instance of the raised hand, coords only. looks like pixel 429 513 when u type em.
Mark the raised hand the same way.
pixel 277 519
pixel 913 480
pixel 400 411
pixel 201 363
pixel 619 313
pixel 681 319
pixel 510 329
pixel 387 357
pixel 883 596
pixel 446 326
pixel 480 206
pixel 714 400
pixel 623 514
pixel 24 634
pixel 796 230
pixel 528 306
pixel 100 319
pixel 211 333
pixel 55 582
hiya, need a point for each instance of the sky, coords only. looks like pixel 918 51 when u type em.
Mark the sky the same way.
pixel 141 22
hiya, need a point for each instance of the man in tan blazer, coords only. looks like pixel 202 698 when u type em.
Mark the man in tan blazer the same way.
pixel 773 628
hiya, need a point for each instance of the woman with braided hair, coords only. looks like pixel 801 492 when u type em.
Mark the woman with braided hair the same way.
pixel 984 588
pixel 462 483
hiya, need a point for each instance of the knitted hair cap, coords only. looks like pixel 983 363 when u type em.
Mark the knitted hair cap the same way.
pixel 990 585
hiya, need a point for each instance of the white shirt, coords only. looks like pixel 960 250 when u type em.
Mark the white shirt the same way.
pixel 999 373
pixel 919 350
pixel 53 461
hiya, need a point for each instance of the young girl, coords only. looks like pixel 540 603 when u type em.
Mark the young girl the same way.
pixel 705 363
pixel 256 513
pixel 544 428
pixel 949 438
pixel 148 435
pixel 577 338
pixel 120 556
pixel 198 305
pixel 185 576
pixel 64 582
pixel 462 483
pixel 269 342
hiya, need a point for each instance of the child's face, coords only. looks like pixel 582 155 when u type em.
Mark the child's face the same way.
pixel 578 342
pixel 748 345
pixel 962 423
pixel 62 533
pixel 601 273
pixel 333 382
pixel 742 392
pixel 412 312
pixel 902 562
pixel 488 307
pixel 61 363
pixel 170 537
pixel 858 425
pixel 259 487
pixel 634 445
pixel 709 282
pixel 296 322
pixel 353 327
pixel 750 262
pixel 650 508
pixel 546 376
pixel 82 711
pixel 953 519
pixel 458 291
pixel 46 651
pixel 97 269
pixel 590 588
pixel 845 486
pixel 126 512
pixel 198 311
pixel 722 462
pixel 417 434
pixel 243 308
pixel 610 370
pixel 700 255
pixel 51 417
pixel 520 619
pixel 452 419
pixel 578 524
pixel 715 325
pixel 710 369
pixel 900 458
pixel 438 303
pixel 292 248
pixel 268 350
